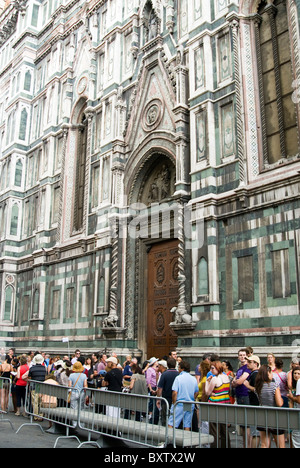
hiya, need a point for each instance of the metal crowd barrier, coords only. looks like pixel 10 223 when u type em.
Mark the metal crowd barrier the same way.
pixel 223 421
pixel 5 395
pixel 54 403
pixel 103 413
pixel 122 415
pixel 125 416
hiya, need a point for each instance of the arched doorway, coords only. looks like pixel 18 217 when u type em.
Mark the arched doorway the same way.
pixel 154 255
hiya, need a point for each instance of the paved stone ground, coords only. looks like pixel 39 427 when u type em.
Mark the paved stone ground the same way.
pixel 31 436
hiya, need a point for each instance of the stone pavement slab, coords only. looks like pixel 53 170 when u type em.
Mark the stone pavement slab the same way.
pixel 31 436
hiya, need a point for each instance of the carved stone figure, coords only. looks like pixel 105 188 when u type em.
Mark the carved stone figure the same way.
pixel 179 318
pixel 153 26
pixel 110 321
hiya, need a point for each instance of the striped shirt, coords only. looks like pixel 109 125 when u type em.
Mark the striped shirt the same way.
pixel 267 395
pixel 220 393
pixel 37 372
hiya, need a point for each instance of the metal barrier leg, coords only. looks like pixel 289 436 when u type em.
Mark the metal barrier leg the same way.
pixel 7 420
pixel 67 436
pixel 30 424
pixel 90 442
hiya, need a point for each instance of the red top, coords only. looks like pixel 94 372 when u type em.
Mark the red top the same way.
pixel 23 370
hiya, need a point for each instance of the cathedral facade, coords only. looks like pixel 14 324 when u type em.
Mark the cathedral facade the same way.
pixel 150 176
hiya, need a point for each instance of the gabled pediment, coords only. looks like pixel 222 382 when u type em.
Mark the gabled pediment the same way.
pixel 152 102
pixel 82 59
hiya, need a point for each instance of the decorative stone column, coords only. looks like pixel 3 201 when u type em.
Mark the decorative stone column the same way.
pixel 110 326
pixel 62 176
pixel 183 323
pixel 238 97
pixel 182 127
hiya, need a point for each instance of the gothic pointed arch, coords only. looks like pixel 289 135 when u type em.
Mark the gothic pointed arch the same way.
pixel 150 17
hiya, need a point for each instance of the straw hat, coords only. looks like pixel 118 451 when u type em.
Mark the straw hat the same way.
pixel 78 367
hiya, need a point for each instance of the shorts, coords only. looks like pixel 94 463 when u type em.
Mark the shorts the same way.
pixel 186 416
pixel 243 400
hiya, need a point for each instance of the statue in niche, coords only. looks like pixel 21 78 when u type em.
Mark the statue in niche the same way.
pixel 165 182
pixel 153 26
pixel 154 193
pixel 160 188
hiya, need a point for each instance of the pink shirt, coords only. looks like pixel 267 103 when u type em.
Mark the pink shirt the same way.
pixel 151 377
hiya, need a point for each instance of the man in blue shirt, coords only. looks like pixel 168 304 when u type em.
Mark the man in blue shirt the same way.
pixel 185 389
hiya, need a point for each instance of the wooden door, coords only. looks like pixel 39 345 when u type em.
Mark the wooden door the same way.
pixel 163 295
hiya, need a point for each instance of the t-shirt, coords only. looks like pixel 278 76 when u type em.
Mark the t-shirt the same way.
pixel 80 383
pixel 151 377
pixel 252 395
pixel 281 379
pixel 166 383
pixel 37 372
pixel 241 390
pixel 186 386
pixel 140 385
pixel 267 395
pixel 127 372
pixel 114 379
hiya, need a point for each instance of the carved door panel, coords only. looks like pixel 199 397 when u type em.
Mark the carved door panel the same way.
pixel 163 295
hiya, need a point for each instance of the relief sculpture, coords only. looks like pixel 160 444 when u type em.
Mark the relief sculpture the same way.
pixel 161 186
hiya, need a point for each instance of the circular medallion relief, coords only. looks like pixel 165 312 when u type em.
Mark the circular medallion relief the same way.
pixel 10 279
pixel 159 325
pixel 82 85
pixel 152 115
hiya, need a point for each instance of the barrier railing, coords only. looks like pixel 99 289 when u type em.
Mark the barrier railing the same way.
pixel 125 416
pixel 44 397
pixel 5 395
pixel 222 421
pixel 102 413
pixel 122 415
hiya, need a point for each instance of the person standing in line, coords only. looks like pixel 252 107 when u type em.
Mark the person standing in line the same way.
pixel 38 373
pixel 253 363
pixel 76 356
pixel 268 393
pixel 294 397
pixel 113 380
pixel 184 388
pixel 217 388
pixel 151 379
pixel 271 361
pixel 77 382
pixel 280 378
pixel 164 388
pixel 5 371
pixel 101 366
pixel 138 386
pixel 294 363
pixel 228 370
pixel 21 384
pixel 241 391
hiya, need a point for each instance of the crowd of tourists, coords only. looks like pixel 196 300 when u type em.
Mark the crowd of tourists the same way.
pixel 169 378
